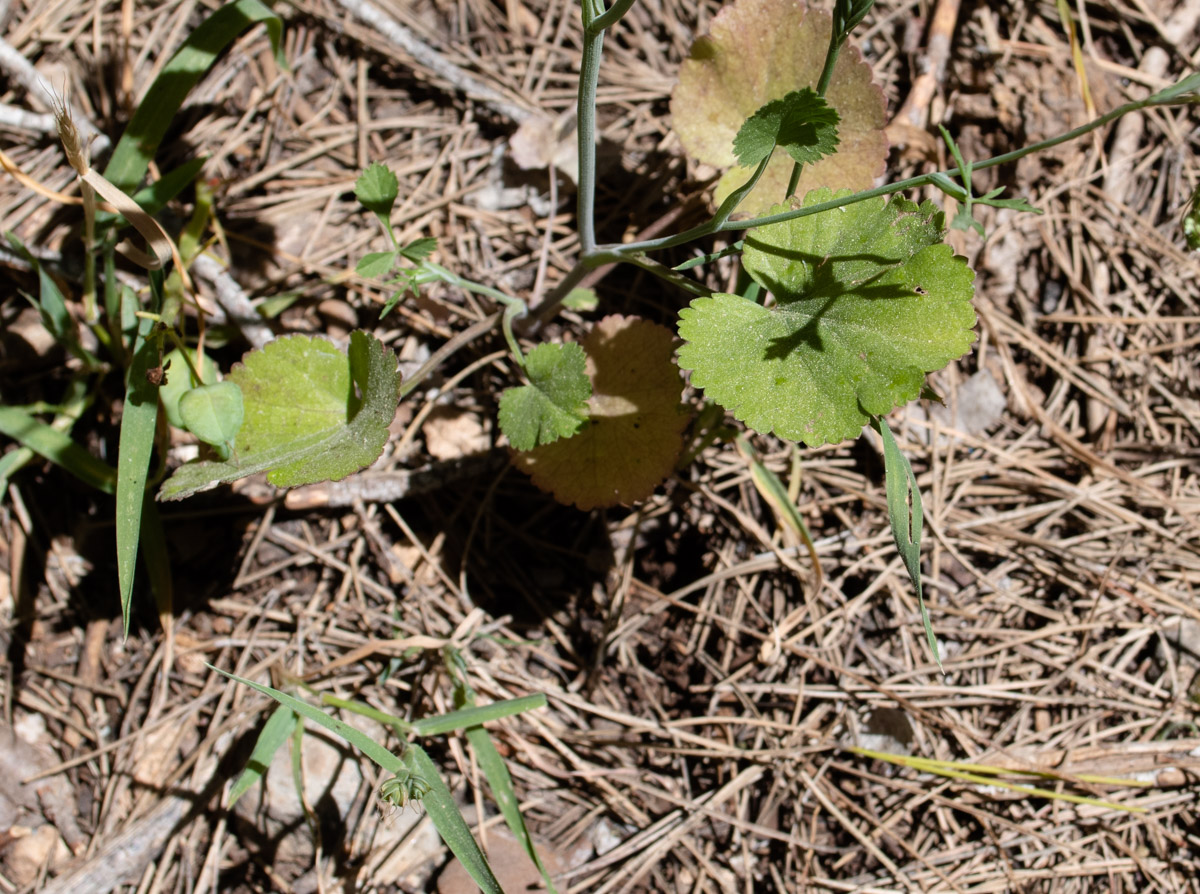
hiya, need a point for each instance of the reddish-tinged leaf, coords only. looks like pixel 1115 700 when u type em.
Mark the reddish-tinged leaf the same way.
pixel 761 50
pixel 633 435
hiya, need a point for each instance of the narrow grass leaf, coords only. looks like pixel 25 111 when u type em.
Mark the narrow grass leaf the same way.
pixel 474 716
pixel 154 197
pixel 500 782
pixel 399 724
pixel 138 145
pixel 771 489
pixel 360 740
pixel 133 457
pixel 53 307
pixel 439 803
pixel 153 547
pixel 908 520
pixel 58 448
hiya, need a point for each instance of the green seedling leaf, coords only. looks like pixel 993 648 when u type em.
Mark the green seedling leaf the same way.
pixel 582 300
pixel 139 144
pixel 965 218
pixel 635 421
pixel 270 308
pixel 867 300
pixel 376 189
pixel 377 264
pixel 761 50
pixel 771 489
pixel 155 559
pixel 801 124
pixel 52 306
pixel 275 732
pixel 213 413
pixel 907 518
pixel 1190 224
pixel 493 766
pixel 179 380
pixel 554 405
pixel 499 780
pixel 155 196
pixel 439 803
pixel 312 414
pixel 419 249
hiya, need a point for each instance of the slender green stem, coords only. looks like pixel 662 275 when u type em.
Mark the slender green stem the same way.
pixel 836 39
pixel 555 297
pixel 402 727
pixel 595 21
pixel 90 312
pixel 619 251
pixel 589 76
pixel 666 273
pixel 612 16
pixel 735 198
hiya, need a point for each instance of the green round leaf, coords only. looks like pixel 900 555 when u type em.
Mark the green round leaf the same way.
pixel 213 413
pixel 179 381
pixel 867 300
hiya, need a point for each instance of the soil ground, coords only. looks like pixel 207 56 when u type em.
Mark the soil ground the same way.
pixel 705 686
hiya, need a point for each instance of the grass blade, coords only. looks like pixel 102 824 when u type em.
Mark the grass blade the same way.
pixel 145 132
pixel 907 518
pixel 136 444
pixel 474 716
pixel 439 803
pixel 500 781
pixel 273 734
pixel 57 447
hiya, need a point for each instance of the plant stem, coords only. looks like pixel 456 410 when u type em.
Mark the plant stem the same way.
pixel 402 727
pixel 589 76
pixel 620 251
pixel 612 16
pixel 555 297
pixel 514 308
pixel 836 40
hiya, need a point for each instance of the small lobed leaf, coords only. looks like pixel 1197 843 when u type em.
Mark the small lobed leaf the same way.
pixel 867 300
pixel 312 414
pixel 376 264
pixel 635 426
pixel 377 188
pixel 761 50
pixel 419 249
pixel 801 123
pixel 555 404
